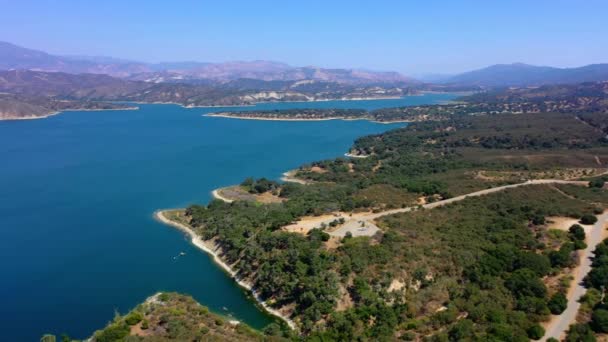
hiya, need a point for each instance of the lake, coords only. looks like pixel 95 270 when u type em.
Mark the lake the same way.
pixel 78 241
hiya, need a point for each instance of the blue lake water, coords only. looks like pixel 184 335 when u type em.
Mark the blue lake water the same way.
pixel 78 190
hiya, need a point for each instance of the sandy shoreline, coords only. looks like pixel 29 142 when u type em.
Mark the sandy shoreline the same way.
pixel 289 177
pixel 216 194
pixel 28 117
pixel 238 117
pixel 33 117
pixel 277 119
pixel 208 248
pixel 355 155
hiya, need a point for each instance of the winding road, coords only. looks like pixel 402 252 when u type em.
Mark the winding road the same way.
pixel 475 194
pixel 559 324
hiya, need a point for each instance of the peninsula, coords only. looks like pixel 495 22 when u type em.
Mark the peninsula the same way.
pixel 443 224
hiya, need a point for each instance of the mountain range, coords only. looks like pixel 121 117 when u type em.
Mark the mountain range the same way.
pixel 520 74
pixel 16 57
pixel 499 75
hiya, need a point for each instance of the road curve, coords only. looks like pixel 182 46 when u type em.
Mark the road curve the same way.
pixel 475 194
pixel 559 324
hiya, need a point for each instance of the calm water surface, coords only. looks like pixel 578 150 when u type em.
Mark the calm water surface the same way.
pixel 78 190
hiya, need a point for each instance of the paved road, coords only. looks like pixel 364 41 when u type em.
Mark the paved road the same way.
pixel 559 325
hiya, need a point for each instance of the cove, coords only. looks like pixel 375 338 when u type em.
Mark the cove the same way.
pixel 78 190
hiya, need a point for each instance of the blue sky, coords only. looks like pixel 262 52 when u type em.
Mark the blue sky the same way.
pixel 413 37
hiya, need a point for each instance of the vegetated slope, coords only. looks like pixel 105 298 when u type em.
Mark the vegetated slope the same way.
pixel 173 317
pixel 32 107
pixel 485 268
pixel 474 268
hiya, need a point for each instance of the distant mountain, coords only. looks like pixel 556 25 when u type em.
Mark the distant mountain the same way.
pixel 16 57
pixel 95 87
pixel 66 85
pixel 519 74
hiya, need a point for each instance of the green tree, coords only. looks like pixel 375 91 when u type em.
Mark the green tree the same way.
pixel 273 329
pixel 536 332
pixel 580 333
pixel 525 282
pixel 597 183
pixel 577 232
pixel 558 303
pixel 588 219
pixel 461 330
pixel 599 320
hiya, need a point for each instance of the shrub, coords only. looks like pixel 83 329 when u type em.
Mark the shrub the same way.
pixel 558 303
pixel 579 244
pixel 524 282
pixel 599 321
pixel 576 232
pixel 536 332
pixel 597 183
pixel 588 219
pixel 114 332
pixel 272 329
pixel 580 332
pixel 133 318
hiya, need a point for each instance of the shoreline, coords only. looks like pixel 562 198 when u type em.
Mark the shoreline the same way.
pixel 208 248
pixel 265 102
pixel 260 118
pixel 31 117
pixel 355 156
pixel 288 177
pixel 237 117
pixel 216 194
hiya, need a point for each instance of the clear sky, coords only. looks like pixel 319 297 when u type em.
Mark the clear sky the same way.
pixel 413 37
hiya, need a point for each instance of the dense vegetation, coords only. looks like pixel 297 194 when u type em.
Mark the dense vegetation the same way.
pixel 475 268
pixel 485 268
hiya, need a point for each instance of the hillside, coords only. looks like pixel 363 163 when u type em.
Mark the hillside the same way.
pixel 440 271
pixel 519 74
pixel 571 98
pixel 96 87
pixel 173 317
pixel 15 107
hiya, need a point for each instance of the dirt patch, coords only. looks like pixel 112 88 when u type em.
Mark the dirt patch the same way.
pixel 345 301
pixel 317 169
pixel 396 285
pixel 333 242
pixel 138 331
pixel 561 223
pixel 238 193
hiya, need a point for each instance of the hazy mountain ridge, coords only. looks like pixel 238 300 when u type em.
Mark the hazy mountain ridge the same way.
pixel 16 57
pixel 519 74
